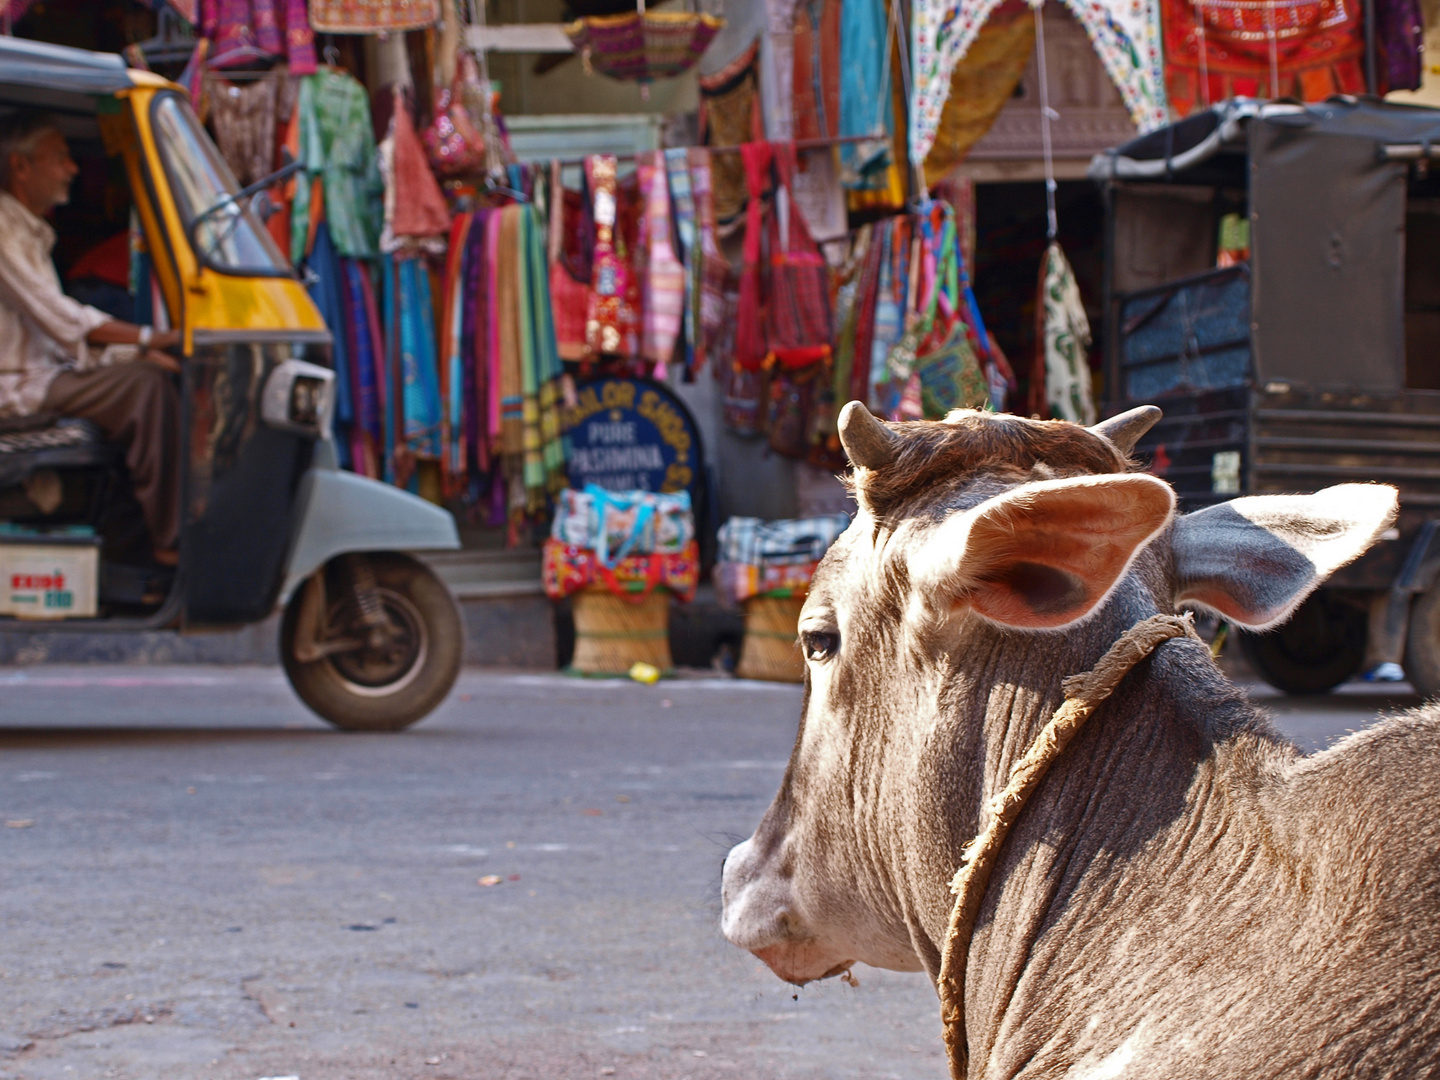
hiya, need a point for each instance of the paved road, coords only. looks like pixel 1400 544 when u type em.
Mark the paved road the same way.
pixel 199 880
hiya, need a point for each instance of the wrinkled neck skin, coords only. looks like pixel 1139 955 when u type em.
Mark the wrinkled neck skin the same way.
pixel 1144 845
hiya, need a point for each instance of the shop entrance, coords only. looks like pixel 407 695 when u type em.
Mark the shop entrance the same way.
pixel 1009 243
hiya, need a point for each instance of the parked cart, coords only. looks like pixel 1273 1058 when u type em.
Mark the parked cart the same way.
pixel 1273 283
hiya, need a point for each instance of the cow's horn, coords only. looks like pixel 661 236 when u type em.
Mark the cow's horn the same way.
pixel 1126 429
pixel 867 440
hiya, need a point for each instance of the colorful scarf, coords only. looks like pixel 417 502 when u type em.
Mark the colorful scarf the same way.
pixel 372 16
pixel 714 269
pixel 815 93
pixel 682 201
pixel 663 297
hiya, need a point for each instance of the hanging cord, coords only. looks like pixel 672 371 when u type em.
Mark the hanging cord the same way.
pixel 917 168
pixel 1271 35
pixel 1083 695
pixel 1203 47
pixel 1052 222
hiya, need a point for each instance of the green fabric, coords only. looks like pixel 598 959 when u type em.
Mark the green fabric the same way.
pixel 337 143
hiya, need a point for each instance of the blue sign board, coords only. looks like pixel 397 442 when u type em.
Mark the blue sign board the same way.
pixel 631 435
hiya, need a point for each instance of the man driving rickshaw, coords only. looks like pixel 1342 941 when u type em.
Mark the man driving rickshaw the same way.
pixel 60 356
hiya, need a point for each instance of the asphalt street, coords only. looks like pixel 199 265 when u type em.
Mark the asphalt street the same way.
pixel 200 880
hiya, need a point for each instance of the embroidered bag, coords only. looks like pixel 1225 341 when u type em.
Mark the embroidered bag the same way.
pixel 798 319
pixel 751 346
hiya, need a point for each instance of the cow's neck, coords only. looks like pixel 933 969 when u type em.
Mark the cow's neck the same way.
pixel 1139 783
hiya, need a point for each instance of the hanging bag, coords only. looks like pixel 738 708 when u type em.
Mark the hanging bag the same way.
pixel 798 315
pixel 934 359
pixel 751 346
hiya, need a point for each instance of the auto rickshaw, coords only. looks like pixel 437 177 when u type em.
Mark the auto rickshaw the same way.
pixel 370 638
pixel 1273 284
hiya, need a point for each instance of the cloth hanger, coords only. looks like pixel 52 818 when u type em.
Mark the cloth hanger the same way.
pixel 171 44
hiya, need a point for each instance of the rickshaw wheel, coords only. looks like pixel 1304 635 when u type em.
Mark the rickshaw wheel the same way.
pixel 1321 646
pixel 390 687
pixel 1422 644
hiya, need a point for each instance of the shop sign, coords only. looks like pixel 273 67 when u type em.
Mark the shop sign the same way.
pixel 631 435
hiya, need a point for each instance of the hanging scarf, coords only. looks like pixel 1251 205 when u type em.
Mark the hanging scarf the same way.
pixel 663 297
pixel 682 202
pixel 1402 36
pixel 365 433
pixel 1064 341
pixel 544 455
pixel 513 339
pixel 713 270
pixel 327 288
pixel 815 94
pixel 751 345
pixel 420 381
pixel 475 338
pixel 453 454
pixel 1125 34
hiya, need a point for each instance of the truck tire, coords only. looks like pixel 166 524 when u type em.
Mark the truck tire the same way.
pixel 381 689
pixel 1316 650
pixel 1422 644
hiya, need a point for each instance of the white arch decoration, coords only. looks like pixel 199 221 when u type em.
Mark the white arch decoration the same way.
pixel 1125 34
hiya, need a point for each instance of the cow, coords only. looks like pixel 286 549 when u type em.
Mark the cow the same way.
pixel 1185 894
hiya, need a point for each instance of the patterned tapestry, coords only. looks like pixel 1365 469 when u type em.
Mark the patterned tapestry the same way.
pixel 982 85
pixel 1125 34
pixel 1215 49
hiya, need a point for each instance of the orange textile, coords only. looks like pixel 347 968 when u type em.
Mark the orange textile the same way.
pixel 981 85
pixel 816 87
pixel 1308 49
pixel 372 16
pixel 420 208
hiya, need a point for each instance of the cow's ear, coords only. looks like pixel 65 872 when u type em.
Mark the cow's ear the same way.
pixel 1043 555
pixel 1253 560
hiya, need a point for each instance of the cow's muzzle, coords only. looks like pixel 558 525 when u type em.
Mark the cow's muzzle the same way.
pixel 759 914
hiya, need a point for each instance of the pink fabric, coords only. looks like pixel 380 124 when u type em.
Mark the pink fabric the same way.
pixel 664 296
pixel 299 39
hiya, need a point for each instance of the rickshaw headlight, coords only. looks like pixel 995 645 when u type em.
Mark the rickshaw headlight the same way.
pixel 299 396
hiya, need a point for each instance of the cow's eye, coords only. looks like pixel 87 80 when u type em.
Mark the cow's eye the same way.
pixel 820 644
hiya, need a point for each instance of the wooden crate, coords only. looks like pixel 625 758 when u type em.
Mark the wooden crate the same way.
pixel 771 649
pixel 612 634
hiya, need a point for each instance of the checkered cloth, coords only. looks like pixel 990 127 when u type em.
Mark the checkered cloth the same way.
pixel 754 542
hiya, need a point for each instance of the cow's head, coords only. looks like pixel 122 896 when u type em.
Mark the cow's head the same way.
pixel 991 557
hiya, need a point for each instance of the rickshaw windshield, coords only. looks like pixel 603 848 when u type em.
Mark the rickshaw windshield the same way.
pixel 229 237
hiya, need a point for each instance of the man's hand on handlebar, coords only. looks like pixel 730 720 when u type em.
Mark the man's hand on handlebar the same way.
pixel 164 361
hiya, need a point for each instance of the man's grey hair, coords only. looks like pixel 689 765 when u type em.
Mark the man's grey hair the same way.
pixel 20 133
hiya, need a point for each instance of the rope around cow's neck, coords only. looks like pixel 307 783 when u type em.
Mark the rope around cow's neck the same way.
pixel 1084 694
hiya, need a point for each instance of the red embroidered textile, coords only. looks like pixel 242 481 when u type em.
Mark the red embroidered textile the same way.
pixel 569 298
pixel 420 208
pixel 750 341
pixel 566 569
pixel 816 72
pixel 1308 49
pixel 798 324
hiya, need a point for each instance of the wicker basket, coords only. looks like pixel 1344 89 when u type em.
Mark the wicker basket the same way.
pixel 770 650
pixel 612 634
